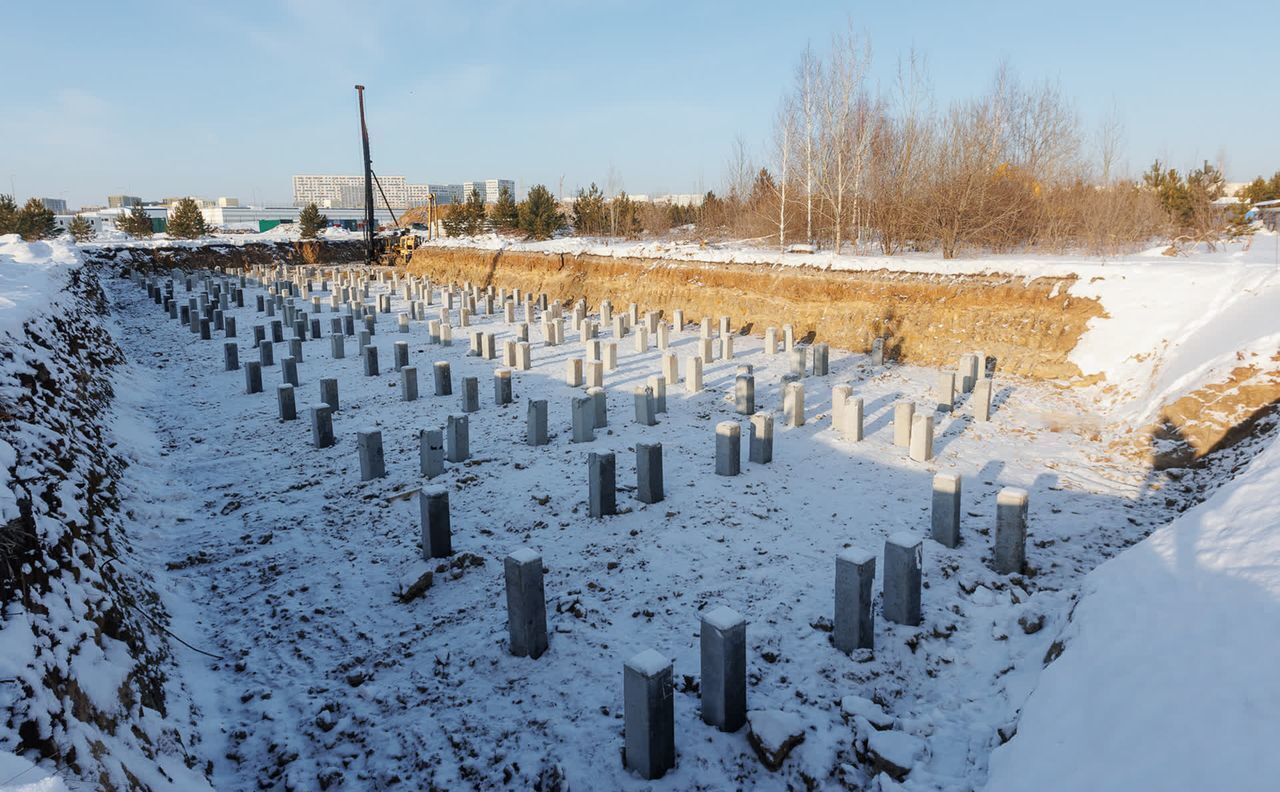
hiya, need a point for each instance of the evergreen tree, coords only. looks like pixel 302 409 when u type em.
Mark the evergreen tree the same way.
pixel 454 221
pixel 186 222
pixel 589 212
pixel 310 221
pixel 540 217
pixel 8 215
pixel 36 221
pixel 626 215
pixel 136 222
pixel 80 228
pixel 473 214
pixel 1258 190
pixel 506 215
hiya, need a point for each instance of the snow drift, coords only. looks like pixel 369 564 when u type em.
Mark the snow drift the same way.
pixel 1168 678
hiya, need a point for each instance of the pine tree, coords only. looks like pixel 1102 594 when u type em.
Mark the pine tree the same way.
pixel 506 215
pixel 310 221
pixel 36 221
pixel 539 215
pixel 80 228
pixel 186 222
pixel 8 215
pixel 589 212
pixel 136 222
pixel 473 214
pixel 453 221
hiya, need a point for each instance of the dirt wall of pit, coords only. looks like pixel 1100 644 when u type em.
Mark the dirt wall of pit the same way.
pixel 1029 325
pixel 213 256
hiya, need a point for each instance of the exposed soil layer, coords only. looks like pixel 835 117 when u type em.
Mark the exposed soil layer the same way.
pixel 1029 325
pixel 1215 416
pixel 212 256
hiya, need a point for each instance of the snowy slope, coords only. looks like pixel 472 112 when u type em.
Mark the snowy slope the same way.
pixel 1169 677
pixel 30 272
pixel 86 679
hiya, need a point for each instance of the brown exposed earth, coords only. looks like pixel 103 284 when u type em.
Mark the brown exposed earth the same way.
pixel 1029 325
pixel 1214 416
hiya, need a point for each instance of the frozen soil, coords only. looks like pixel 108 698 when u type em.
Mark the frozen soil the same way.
pixel 284 564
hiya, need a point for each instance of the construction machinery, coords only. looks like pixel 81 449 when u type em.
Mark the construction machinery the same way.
pixel 397 247
pixel 394 247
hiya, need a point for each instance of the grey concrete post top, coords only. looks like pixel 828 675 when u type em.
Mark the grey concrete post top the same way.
pixel 856 555
pixel 1012 496
pixel 723 618
pixel 905 540
pixel 649 662
pixel 524 555
pixel 947 482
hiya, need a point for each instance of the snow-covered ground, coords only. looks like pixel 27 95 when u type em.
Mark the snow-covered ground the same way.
pixel 1169 676
pixel 288 566
pixel 273 556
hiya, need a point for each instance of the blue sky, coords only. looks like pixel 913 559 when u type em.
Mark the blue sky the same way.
pixel 232 98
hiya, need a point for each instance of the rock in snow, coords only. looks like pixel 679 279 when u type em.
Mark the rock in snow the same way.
pixel 773 733
pixel 892 752
pixel 859 707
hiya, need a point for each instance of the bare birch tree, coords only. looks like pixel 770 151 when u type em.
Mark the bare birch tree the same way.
pixel 844 132
pixel 808 76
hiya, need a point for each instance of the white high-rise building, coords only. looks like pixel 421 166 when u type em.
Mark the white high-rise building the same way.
pixel 347 192
pixel 419 194
pixel 488 189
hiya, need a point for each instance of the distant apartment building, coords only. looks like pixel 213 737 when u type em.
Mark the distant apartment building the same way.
pixel 488 189
pixel 347 192
pixel 56 205
pixel 123 201
pixel 420 194
pixel 681 199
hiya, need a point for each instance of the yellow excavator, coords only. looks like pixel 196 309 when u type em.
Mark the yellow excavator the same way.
pixel 397 247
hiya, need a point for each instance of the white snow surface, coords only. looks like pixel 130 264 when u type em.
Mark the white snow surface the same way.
pixel 286 564
pixel 289 566
pixel 19 775
pixel 31 273
pixel 1169 677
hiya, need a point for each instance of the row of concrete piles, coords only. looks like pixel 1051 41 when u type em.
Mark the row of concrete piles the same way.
pixel 648 702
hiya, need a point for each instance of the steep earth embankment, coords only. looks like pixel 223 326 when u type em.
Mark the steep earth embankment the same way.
pixel 86 682
pixel 212 255
pixel 1030 325
pixel 1175 352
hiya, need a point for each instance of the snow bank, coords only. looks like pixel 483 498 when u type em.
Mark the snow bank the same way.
pixel 1168 679
pixel 19 775
pixel 86 678
pixel 29 273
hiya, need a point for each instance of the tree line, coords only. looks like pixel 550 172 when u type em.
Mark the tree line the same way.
pixel 892 170
pixel 538 216
pixel 33 221
pixel 853 163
